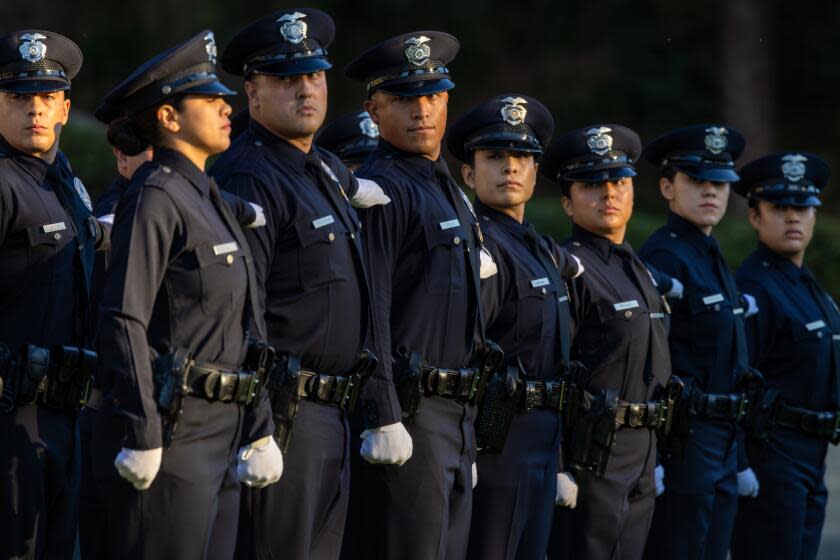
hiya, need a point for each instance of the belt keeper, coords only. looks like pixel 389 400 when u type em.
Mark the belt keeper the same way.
pixel 227 386
pixel 211 384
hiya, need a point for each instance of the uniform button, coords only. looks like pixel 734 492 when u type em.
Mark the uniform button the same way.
pixel 765 264
pixel 576 243
pixel 331 237
pixel 352 236
pixel 819 334
pixel 229 259
pixel 57 236
pixel 457 241
pixel 717 307
pixel 628 314
pixel 673 235
pixel 258 143
pixel 166 169
pixel 543 291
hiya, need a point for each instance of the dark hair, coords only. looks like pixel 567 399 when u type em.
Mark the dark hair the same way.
pixel 123 134
pixel 138 132
pixel 669 172
pixel 752 202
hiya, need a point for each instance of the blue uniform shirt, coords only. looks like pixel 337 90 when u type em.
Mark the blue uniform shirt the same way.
pixel 790 338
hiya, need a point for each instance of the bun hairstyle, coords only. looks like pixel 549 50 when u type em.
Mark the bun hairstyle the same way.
pixel 131 134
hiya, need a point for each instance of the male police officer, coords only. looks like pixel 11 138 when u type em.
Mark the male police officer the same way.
pixel 47 241
pixel 795 342
pixel 309 268
pixel 707 341
pixel 424 255
pixel 352 137
pixel 526 306
pixel 620 339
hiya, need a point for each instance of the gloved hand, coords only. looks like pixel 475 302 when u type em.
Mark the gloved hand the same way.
pixel 475 474
pixel 567 490
pixel 369 194
pixel 676 291
pixel 747 483
pixel 659 476
pixel 488 265
pixel 139 466
pixel 752 306
pixel 259 221
pixel 580 269
pixel 260 463
pixel 388 445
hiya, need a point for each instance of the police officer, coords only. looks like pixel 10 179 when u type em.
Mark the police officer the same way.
pixel 352 137
pixel 706 338
pixel 793 341
pixel 620 339
pixel 424 255
pixel 47 241
pixel 311 277
pixel 526 307
pixel 176 395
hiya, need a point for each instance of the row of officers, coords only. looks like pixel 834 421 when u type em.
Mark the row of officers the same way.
pixel 246 341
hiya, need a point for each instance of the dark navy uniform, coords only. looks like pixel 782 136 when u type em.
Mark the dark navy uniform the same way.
pixel 180 277
pixel 310 278
pixel 620 338
pixel 423 250
pixel 352 137
pixel 47 241
pixel 695 516
pixel 793 340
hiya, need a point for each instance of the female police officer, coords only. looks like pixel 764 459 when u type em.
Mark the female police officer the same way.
pixel 180 288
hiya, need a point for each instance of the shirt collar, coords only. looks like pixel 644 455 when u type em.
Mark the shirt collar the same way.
pixel 414 161
pixel 35 166
pixel 602 246
pixel 784 264
pixel 181 163
pixel 690 233
pixel 286 152
pixel 506 222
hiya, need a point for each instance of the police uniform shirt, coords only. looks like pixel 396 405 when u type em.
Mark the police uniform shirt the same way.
pixel 702 333
pixel 180 277
pixel 612 320
pixel 306 273
pixel 790 338
pixel 425 294
pixel 520 302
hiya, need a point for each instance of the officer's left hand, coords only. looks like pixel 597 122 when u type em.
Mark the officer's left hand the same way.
pixel 259 463
pixel 747 484
pixel 259 221
pixel 676 291
pixel 475 475
pixel 387 445
pixel 752 305
pixel 369 194
pixel 580 268
pixel 567 490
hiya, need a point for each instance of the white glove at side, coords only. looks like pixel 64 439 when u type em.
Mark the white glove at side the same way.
pixel 580 269
pixel 659 476
pixel 747 484
pixel 488 265
pixel 369 194
pixel 676 291
pixel 139 466
pixel 752 306
pixel 259 221
pixel 567 490
pixel 475 474
pixel 259 463
pixel 387 445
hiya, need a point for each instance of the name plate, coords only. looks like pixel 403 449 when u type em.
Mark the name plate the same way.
pixel 225 248
pixel 449 225
pixel 539 282
pixel 321 222
pixel 715 298
pixel 632 304
pixel 58 226
pixel 814 325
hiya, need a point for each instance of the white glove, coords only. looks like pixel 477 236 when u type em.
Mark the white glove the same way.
pixel 580 268
pixel 747 483
pixel 388 445
pixel 107 219
pixel 369 194
pixel 259 463
pixel 752 306
pixel 676 291
pixel 475 474
pixel 259 221
pixel 659 477
pixel 567 490
pixel 488 265
pixel 139 466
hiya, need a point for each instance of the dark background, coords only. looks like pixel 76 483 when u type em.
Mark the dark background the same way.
pixel 766 67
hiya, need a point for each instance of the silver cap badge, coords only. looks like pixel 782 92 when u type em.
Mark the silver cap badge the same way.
pixel 32 49
pixel 418 52
pixel 513 111
pixel 367 126
pixel 793 167
pixel 210 47
pixel 292 29
pixel 716 140
pixel 598 140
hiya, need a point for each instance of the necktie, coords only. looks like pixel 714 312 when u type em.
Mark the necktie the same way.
pixel 833 319
pixel 728 283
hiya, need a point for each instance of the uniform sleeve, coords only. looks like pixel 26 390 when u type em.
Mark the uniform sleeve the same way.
pixel 383 230
pixel 579 300
pixel 663 266
pixel 567 266
pixel 243 212
pixel 494 288
pixel 5 213
pixel 146 225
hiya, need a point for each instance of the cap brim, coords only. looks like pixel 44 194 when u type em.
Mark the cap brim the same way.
pixel 209 88
pixel 35 85
pixel 713 174
pixel 416 88
pixel 601 175
pixel 798 201
pixel 505 145
pixel 293 67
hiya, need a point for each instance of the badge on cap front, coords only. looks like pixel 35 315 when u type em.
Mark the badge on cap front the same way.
pixel 367 126
pixel 598 140
pixel 418 52
pixel 715 139
pixel 292 29
pixel 32 49
pixel 793 167
pixel 210 47
pixel 513 111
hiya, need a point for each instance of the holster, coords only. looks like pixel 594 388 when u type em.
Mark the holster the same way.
pixel 284 397
pixel 502 399
pixel 593 434
pixel 673 439
pixel 69 381
pixel 170 373
pixel 760 420
pixel 489 359
pixel 750 383
pixel 409 385
pixel 30 376
pixel 356 378
pixel 259 359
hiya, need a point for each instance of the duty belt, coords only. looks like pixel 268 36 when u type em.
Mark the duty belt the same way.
pixel 814 423
pixel 450 383
pixel 321 388
pixel 729 407
pixel 216 384
pixel 544 393
pixel 643 415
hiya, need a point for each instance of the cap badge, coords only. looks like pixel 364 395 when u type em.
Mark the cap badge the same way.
pixel 292 29
pixel 598 140
pixel 32 49
pixel 793 167
pixel 715 139
pixel 367 126
pixel 513 111
pixel 418 52
pixel 210 47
